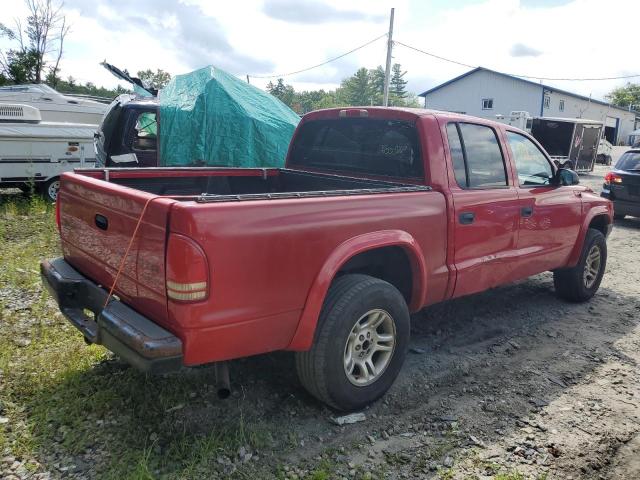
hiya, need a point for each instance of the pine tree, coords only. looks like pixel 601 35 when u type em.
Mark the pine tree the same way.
pixel 397 87
pixel 377 83
pixel 357 88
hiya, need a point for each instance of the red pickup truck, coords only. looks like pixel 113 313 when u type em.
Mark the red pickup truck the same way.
pixel 378 213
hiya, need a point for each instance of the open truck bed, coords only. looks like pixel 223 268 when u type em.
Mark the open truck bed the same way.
pixel 223 184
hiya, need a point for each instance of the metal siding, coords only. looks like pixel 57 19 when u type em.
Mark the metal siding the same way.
pixel 509 93
pixel 466 94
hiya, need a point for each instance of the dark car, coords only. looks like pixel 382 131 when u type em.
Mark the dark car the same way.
pixel 622 185
pixel 127 136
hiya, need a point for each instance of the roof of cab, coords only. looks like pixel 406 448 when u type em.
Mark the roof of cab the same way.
pixel 395 112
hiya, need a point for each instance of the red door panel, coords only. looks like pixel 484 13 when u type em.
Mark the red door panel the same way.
pixel 550 228
pixel 484 248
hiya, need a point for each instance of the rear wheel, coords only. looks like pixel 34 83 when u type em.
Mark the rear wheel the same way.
pixel 580 283
pixel 50 189
pixel 360 344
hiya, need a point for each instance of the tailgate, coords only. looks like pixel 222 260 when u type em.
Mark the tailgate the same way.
pixel 97 221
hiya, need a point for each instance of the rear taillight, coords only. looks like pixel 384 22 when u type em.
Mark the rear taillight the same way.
pixel 58 202
pixel 611 178
pixel 187 270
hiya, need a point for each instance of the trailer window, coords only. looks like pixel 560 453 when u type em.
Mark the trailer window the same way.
pixel 359 145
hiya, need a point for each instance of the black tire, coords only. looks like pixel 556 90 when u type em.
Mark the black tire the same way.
pixel 619 216
pixel 322 369
pixel 50 189
pixel 571 283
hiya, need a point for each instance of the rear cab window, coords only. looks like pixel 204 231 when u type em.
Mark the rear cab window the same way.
pixel 359 146
pixel 477 158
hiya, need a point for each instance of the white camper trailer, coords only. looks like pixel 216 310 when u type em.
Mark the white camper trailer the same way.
pixel 33 154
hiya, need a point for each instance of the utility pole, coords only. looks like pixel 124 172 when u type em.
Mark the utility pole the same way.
pixel 387 71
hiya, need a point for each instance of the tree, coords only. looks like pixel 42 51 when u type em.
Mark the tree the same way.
pixel 626 96
pixel 377 83
pixel 365 87
pixel 358 89
pixel 39 42
pixel 157 79
pixel 285 93
pixel 397 84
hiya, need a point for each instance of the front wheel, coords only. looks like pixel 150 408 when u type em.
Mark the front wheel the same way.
pixel 580 283
pixel 360 344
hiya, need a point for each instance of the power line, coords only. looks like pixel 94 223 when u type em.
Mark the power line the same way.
pixel 514 74
pixel 320 64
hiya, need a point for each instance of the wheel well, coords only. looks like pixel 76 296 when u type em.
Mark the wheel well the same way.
pixel 390 264
pixel 600 222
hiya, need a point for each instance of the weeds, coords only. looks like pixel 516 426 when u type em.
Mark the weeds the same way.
pixel 64 397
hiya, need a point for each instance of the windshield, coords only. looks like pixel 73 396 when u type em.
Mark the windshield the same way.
pixel 629 161
pixel 359 145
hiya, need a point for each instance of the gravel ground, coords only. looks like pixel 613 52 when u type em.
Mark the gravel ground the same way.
pixel 509 384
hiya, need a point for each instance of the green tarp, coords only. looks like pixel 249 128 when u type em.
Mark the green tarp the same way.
pixel 210 117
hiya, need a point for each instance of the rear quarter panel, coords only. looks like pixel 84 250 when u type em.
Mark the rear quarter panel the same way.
pixel 264 257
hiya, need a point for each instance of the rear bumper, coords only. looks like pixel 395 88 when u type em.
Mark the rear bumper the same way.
pixel 133 337
pixel 623 207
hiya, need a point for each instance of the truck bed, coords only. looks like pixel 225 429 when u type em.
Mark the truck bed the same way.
pixel 212 184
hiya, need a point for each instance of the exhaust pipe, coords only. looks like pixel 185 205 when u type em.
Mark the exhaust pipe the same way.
pixel 222 380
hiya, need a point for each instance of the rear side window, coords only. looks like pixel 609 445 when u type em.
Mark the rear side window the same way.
pixel 359 145
pixel 629 161
pixel 457 154
pixel 481 153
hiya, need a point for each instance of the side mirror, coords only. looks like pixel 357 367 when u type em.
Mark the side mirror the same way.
pixel 566 176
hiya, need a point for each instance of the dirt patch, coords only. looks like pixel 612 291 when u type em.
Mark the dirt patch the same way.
pixel 511 382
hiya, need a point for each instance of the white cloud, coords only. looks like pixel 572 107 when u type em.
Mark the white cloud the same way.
pixel 582 38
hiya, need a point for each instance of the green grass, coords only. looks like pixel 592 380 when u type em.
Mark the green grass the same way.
pixel 64 397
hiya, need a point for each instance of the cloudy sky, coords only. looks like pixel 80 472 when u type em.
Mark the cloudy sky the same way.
pixel 547 38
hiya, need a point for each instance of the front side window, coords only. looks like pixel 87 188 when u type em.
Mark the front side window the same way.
pixel 487 103
pixel 533 167
pixel 483 156
pixel 359 145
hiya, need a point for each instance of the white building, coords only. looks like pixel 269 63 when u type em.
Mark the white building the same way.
pixel 485 93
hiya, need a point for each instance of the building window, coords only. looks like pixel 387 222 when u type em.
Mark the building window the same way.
pixel 547 101
pixel 487 103
pixel 561 107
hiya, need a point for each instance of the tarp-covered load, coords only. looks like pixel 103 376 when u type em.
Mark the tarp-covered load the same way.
pixel 209 117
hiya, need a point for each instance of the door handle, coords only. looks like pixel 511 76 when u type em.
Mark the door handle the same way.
pixel 526 211
pixel 467 218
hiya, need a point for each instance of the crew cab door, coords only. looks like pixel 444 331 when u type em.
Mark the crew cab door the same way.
pixel 485 208
pixel 550 215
